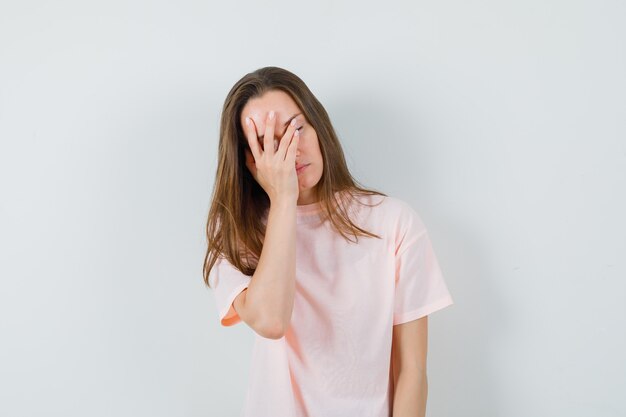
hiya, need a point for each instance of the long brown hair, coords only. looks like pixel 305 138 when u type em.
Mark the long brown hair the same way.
pixel 234 228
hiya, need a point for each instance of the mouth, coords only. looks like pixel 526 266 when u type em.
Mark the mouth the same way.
pixel 300 168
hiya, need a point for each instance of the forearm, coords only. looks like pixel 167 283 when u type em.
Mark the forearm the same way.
pixel 410 393
pixel 272 289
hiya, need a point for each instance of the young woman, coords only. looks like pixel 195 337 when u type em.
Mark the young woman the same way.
pixel 335 280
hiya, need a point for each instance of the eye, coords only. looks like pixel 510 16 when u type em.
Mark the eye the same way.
pixel 300 128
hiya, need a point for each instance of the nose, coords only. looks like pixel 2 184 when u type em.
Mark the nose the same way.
pixel 277 140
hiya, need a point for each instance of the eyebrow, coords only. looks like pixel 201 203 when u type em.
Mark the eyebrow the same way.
pixel 286 123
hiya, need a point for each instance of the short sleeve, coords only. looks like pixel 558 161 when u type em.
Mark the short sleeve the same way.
pixel 420 288
pixel 227 282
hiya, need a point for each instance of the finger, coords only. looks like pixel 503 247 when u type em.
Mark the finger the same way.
pixel 268 139
pixel 286 139
pixel 293 147
pixel 253 140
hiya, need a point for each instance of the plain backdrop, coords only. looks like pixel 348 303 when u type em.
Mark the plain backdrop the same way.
pixel 501 122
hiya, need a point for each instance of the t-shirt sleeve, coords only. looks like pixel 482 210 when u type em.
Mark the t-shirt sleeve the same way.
pixel 227 282
pixel 420 288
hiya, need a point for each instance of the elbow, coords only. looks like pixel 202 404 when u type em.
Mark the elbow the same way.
pixel 271 329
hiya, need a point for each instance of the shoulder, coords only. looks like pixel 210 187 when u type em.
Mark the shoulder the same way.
pixel 389 206
pixel 393 212
pixel 396 204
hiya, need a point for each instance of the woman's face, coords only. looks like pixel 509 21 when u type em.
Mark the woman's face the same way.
pixel 308 153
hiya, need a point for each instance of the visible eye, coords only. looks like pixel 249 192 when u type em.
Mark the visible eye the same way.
pixel 300 128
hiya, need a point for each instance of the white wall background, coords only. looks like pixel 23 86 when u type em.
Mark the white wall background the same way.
pixel 503 123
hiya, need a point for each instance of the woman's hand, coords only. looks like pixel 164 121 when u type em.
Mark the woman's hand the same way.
pixel 274 169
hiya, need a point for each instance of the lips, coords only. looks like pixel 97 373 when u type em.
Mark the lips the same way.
pixel 301 166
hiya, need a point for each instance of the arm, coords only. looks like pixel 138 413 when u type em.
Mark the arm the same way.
pixel 408 354
pixel 266 305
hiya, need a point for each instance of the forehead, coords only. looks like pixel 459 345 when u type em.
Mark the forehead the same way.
pixel 279 101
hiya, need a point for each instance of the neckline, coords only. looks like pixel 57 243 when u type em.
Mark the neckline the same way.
pixel 305 210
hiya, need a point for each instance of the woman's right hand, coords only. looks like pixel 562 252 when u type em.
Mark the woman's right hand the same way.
pixel 274 169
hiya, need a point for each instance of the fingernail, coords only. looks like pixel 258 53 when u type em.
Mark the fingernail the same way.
pixel 247 121
pixel 293 122
pixel 272 115
pixel 297 133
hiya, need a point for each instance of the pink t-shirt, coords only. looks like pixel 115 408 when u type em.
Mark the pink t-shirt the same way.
pixel 335 357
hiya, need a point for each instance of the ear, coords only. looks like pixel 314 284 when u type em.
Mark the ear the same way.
pixel 250 163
